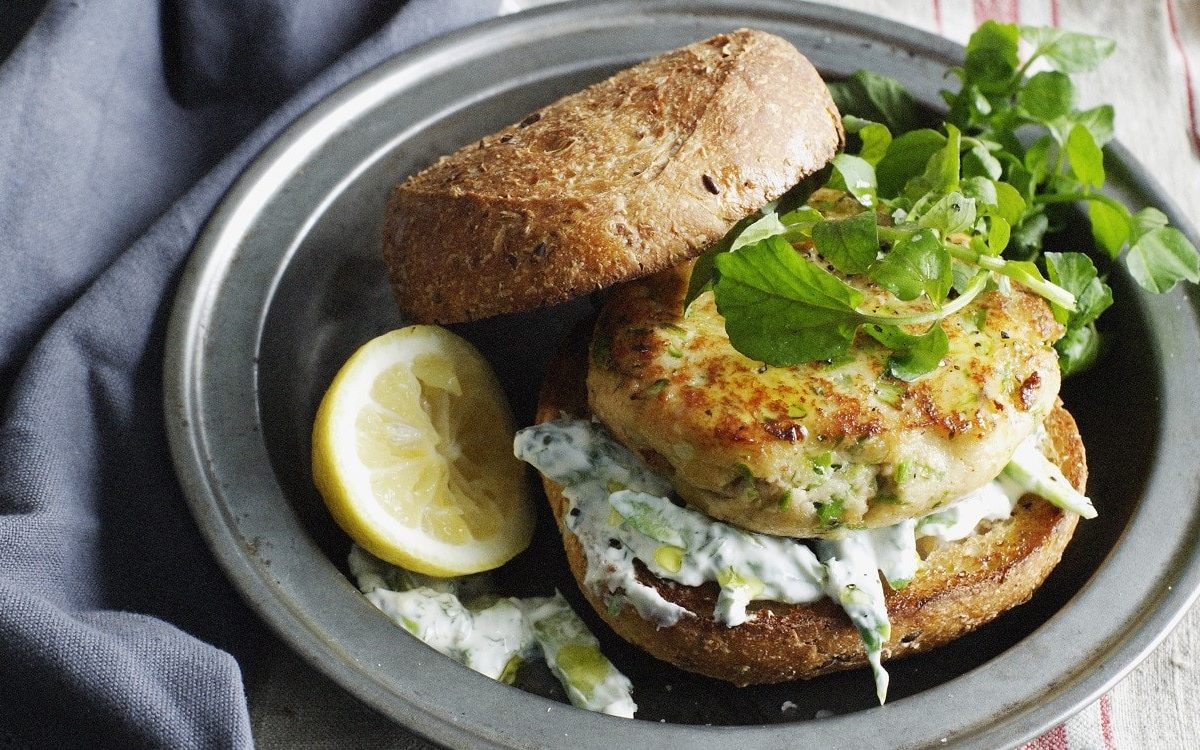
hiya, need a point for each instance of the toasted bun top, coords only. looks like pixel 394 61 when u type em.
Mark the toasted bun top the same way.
pixel 629 176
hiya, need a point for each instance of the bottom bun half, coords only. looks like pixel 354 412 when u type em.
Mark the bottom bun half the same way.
pixel 961 585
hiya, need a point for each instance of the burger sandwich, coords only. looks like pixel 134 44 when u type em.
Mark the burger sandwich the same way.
pixel 816 423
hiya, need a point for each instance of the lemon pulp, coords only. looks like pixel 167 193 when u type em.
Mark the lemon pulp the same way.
pixel 412 452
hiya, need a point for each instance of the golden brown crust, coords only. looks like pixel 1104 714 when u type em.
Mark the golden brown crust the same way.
pixel 961 586
pixel 627 177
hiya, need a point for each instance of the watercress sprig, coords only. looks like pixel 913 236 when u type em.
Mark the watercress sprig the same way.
pixel 945 210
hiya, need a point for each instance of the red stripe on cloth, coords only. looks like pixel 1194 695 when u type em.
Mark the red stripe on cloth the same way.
pixel 1054 13
pixel 1187 75
pixel 1005 11
pixel 937 17
pixel 1055 739
pixel 1106 723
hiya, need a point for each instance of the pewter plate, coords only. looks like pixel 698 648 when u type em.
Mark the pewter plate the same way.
pixel 286 281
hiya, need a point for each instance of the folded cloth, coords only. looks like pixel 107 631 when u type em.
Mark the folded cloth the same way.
pixel 121 125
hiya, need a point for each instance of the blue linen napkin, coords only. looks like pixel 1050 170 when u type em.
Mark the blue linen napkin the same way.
pixel 121 125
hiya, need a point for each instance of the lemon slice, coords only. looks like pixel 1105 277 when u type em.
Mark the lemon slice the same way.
pixel 412 452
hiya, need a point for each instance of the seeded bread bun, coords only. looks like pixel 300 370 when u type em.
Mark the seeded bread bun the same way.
pixel 961 585
pixel 629 176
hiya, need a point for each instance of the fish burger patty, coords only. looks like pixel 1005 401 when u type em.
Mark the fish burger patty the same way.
pixel 813 449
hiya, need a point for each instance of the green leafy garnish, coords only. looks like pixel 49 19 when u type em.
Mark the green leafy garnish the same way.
pixel 941 173
pixel 917 264
pixel 1085 157
pixel 951 214
pixel 856 176
pixel 906 157
pixel 945 211
pixel 1067 51
pixel 1047 96
pixel 875 137
pixel 912 355
pixel 810 311
pixel 1111 224
pixel 849 244
pixel 1160 256
pixel 879 99
pixel 1080 345
pixel 991 58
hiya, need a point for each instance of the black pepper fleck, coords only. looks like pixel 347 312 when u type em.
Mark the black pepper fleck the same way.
pixel 531 119
pixel 710 185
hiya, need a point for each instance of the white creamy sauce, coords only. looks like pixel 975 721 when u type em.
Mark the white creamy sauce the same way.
pixel 991 502
pixel 620 511
pixel 748 566
pixel 487 640
pixel 496 638
pixel 573 655
pixel 590 466
pixel 1029 468
pixel 895 549
pixel 854 583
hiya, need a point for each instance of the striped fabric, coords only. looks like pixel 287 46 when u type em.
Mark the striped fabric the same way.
pixel 1188 52
pixel 1090 729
